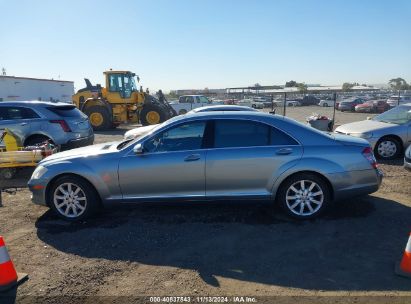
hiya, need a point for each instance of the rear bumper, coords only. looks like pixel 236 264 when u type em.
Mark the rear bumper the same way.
pixel 78 142
pixel 355 183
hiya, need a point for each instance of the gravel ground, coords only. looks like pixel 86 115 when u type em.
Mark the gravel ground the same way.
pixel 222 249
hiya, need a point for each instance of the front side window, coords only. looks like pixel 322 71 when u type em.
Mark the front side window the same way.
pixel 183 137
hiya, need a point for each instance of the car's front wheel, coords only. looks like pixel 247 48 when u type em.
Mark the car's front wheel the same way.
pixel 387 148
pixel 304 196
pixel 72 198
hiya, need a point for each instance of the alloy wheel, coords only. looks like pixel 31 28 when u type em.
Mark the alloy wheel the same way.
pixel 70 200
pixel 304 198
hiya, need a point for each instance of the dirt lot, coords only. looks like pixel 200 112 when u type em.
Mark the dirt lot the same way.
pixel 222 249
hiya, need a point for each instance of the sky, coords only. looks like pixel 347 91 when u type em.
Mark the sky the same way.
pixel 184 44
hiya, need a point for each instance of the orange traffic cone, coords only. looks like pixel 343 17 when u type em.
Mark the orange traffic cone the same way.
pixel 8 275
pixel 404 267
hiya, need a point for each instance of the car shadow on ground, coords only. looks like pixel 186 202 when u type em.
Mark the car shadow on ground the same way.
pixel 352 248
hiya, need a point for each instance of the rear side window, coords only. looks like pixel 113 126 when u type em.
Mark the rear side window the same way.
pixel 279 138
pixel 239 133
pixel 66 111
pixel 12 113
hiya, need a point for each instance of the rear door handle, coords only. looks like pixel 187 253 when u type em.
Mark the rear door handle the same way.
pixel 284 151
pixel 192 157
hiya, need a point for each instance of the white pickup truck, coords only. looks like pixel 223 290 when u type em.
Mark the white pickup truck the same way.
pixel 188 102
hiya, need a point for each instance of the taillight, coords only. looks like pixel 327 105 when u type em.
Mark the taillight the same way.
pixel 369 155
pixel 63 125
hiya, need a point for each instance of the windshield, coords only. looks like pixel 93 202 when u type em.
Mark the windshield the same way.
pixel 399 115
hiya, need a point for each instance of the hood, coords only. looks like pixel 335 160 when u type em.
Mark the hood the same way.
pixel 364 126
pixel 348 140
pixel 83 152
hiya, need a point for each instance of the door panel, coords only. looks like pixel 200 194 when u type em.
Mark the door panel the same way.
pixel 172 164
pixel 169 174
pixel 246 171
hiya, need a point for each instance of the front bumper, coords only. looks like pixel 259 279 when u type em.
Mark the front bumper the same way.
pixel 38 191
pixel 78 143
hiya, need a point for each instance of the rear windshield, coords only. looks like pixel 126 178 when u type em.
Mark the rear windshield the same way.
pixel 66 111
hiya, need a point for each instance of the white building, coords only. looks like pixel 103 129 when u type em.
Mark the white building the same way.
pixel 24 88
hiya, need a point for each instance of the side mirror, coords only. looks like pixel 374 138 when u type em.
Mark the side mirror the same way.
pixel 138 149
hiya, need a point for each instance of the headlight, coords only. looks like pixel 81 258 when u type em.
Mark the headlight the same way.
pixel 362 135
pixel 39 172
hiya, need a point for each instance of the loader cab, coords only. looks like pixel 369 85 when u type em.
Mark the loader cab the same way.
pixel 120 86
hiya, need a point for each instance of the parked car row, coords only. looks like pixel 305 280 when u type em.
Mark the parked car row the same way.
pixel 213 152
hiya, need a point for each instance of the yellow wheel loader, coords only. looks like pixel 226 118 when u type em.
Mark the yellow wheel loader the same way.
pixel 119 102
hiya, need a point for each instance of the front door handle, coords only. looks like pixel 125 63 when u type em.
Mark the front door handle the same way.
pixel 23 124
pixel 192 157
pixel 284 151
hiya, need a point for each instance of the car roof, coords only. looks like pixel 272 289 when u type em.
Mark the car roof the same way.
pixel 190 95
pixel 223 108
pixel 35 103
pixel 228 114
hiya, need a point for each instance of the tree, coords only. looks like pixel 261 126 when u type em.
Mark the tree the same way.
pixel 257 85
pixel 302 87
pixel 290 84
pixel 172 94
pixel 348 86
pixel 399 84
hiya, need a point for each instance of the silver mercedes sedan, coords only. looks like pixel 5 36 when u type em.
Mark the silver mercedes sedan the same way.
pixel 211 156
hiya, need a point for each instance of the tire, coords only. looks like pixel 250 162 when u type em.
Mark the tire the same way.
pixel 388 148
pixel 100 112
pixel 253 106
pixel 325 104
pixel 87 196
pixel 36 139
pixel 182 112
pixel 301 210
pixel 152 114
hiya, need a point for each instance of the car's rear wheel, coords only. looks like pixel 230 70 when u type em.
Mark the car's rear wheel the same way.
pixel 388 148
pixel 72 198
pixel 35 140
pixel 304 196
pixel 325 104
